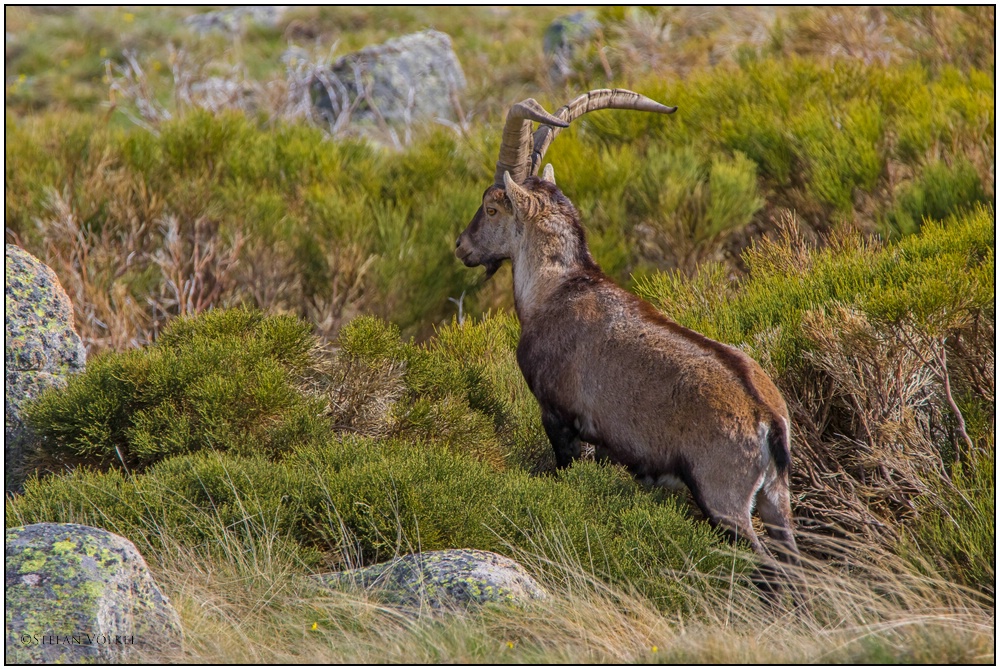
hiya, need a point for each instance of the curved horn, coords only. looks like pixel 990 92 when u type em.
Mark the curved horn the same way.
pixel 515 146
pixel 602 98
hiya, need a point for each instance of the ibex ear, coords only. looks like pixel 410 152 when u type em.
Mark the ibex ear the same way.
pixel 548 174
pixel 520 199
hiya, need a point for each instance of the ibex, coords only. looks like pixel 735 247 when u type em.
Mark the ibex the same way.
pixel 670 404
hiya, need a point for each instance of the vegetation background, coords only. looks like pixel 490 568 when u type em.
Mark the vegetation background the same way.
pixel 290 373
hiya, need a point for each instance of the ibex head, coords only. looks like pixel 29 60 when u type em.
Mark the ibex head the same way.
pixel 517 197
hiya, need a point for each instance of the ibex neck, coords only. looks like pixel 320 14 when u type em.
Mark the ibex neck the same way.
pixel 541 266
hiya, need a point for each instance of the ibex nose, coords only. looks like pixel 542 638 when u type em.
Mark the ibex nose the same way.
pixel 458 241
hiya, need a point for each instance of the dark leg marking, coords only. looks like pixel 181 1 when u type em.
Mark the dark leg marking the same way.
pixel 564 437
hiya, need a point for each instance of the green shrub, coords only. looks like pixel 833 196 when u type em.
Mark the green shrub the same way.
pixel 760 134
pixel 820 133
pixel 948 267
pixel 956 530
pixel 841 150
pixel 937 192
pixel 224 381
pixel 464 383
pixel 362 501
pixel 28 170
pixel 689 202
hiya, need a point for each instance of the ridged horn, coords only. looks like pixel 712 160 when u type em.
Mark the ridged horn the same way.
pixel 515 145
pixel 602 98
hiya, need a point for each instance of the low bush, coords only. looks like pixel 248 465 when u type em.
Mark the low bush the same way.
pixel 357 501
pixel 945 273
pixel 937 193
pixel 215 211
pixel 226 381
pixel 956 531
pixel 686 204
pixel 471 371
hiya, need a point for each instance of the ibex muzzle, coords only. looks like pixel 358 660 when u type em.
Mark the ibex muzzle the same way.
pixel 606 367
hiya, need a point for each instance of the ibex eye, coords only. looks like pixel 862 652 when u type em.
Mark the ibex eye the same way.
pixel 491 211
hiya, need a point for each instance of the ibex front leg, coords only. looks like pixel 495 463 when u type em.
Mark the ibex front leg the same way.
pixel 564 437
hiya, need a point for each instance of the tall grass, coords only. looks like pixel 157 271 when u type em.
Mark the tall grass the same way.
pixel 247 598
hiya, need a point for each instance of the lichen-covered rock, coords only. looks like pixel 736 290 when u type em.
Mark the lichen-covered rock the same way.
pixel 565 38
pixel 40 347
pixel 79 594
pixel 406 79
pixel 234 19
pixel 443 579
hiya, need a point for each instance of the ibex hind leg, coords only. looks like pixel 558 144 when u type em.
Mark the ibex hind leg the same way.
pixel 775 510
pixel 728 502
pixel 768 575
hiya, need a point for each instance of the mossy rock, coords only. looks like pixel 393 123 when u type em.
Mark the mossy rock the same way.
pixel 80 594
pixel 41 347
pixel 444 579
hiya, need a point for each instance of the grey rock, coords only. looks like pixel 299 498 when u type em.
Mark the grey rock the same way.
pixel 404 80
pixel 77 594
pixel 565 38
pixel 234 19
pixel 41 348
pixel 444 579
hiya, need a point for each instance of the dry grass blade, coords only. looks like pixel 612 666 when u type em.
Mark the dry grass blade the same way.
pixel 250 607
pixel 196 265
pixel 868 426
pixel 90 267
